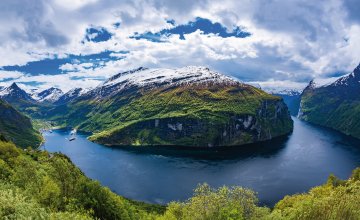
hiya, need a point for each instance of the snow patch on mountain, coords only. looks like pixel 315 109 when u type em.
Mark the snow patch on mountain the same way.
pixel 14 92
pixel 71 95
pixel 153 78
pixel 144 76
pixel 50 95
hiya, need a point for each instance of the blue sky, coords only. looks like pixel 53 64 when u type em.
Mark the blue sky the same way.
pixel 79 43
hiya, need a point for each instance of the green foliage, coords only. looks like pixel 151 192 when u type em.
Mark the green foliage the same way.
pixel 323 202
pixel 222 203
pixel 337 199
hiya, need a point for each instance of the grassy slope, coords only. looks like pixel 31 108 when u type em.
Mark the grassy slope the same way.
pixel 324 107
pixel 18 128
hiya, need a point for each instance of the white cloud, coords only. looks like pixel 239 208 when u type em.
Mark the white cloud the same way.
pixel 291 42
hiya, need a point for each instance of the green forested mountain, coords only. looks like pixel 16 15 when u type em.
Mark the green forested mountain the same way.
pixel 16 127
pixel 191 106
pixel 40 185
pixel 336 105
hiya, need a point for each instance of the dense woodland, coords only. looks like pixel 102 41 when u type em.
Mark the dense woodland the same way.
pixel 40 185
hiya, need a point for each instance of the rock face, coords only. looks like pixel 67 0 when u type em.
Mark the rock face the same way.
pixel 17 128
pixel 191 106
pixel 336 105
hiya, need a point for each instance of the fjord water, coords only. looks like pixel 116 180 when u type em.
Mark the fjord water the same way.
pixel 159 175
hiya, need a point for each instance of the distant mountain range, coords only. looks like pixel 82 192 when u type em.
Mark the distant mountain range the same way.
pixel 336 105
pixel 24 101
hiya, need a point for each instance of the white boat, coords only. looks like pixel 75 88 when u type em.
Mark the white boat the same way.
pixel 73 132
pixel 72 135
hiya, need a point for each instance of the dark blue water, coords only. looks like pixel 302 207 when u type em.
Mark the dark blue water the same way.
pixel 159 175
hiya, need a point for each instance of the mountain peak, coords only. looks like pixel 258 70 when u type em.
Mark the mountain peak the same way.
pixel 14 92
pixel 125 73
pixel 352 79
pixel 14 86
pixel 51 95
pixel 311 85
pixel 159 77
pixel 156 77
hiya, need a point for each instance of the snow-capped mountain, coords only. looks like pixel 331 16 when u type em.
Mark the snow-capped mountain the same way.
pixel 190 106
pixel 48 95
pixel 15 93
pixel 70 95
pixel 150 78
pixel 350 80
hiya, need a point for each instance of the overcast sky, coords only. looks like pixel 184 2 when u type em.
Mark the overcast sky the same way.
pixel 79 43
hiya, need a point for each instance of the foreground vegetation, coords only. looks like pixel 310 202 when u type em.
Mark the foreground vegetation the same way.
pixel 40 185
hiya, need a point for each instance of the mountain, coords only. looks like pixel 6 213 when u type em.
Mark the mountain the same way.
pixel 15 93
pixel 69 96
pixel 50 95
pixel 21 100
pixel 191 106
pixel 336 105
pixel 16 127
pixel 291 99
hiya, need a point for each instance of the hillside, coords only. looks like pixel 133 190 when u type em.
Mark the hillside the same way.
pixel 190 106
pixel 335 106
pixel 16 127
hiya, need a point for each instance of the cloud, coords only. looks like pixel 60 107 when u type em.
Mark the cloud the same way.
pixel 202 24
pixel 290 42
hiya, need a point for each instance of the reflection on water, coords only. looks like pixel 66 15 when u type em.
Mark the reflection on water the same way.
pixel 161 174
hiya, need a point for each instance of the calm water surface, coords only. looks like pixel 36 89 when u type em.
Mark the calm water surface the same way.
pixel 159 175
